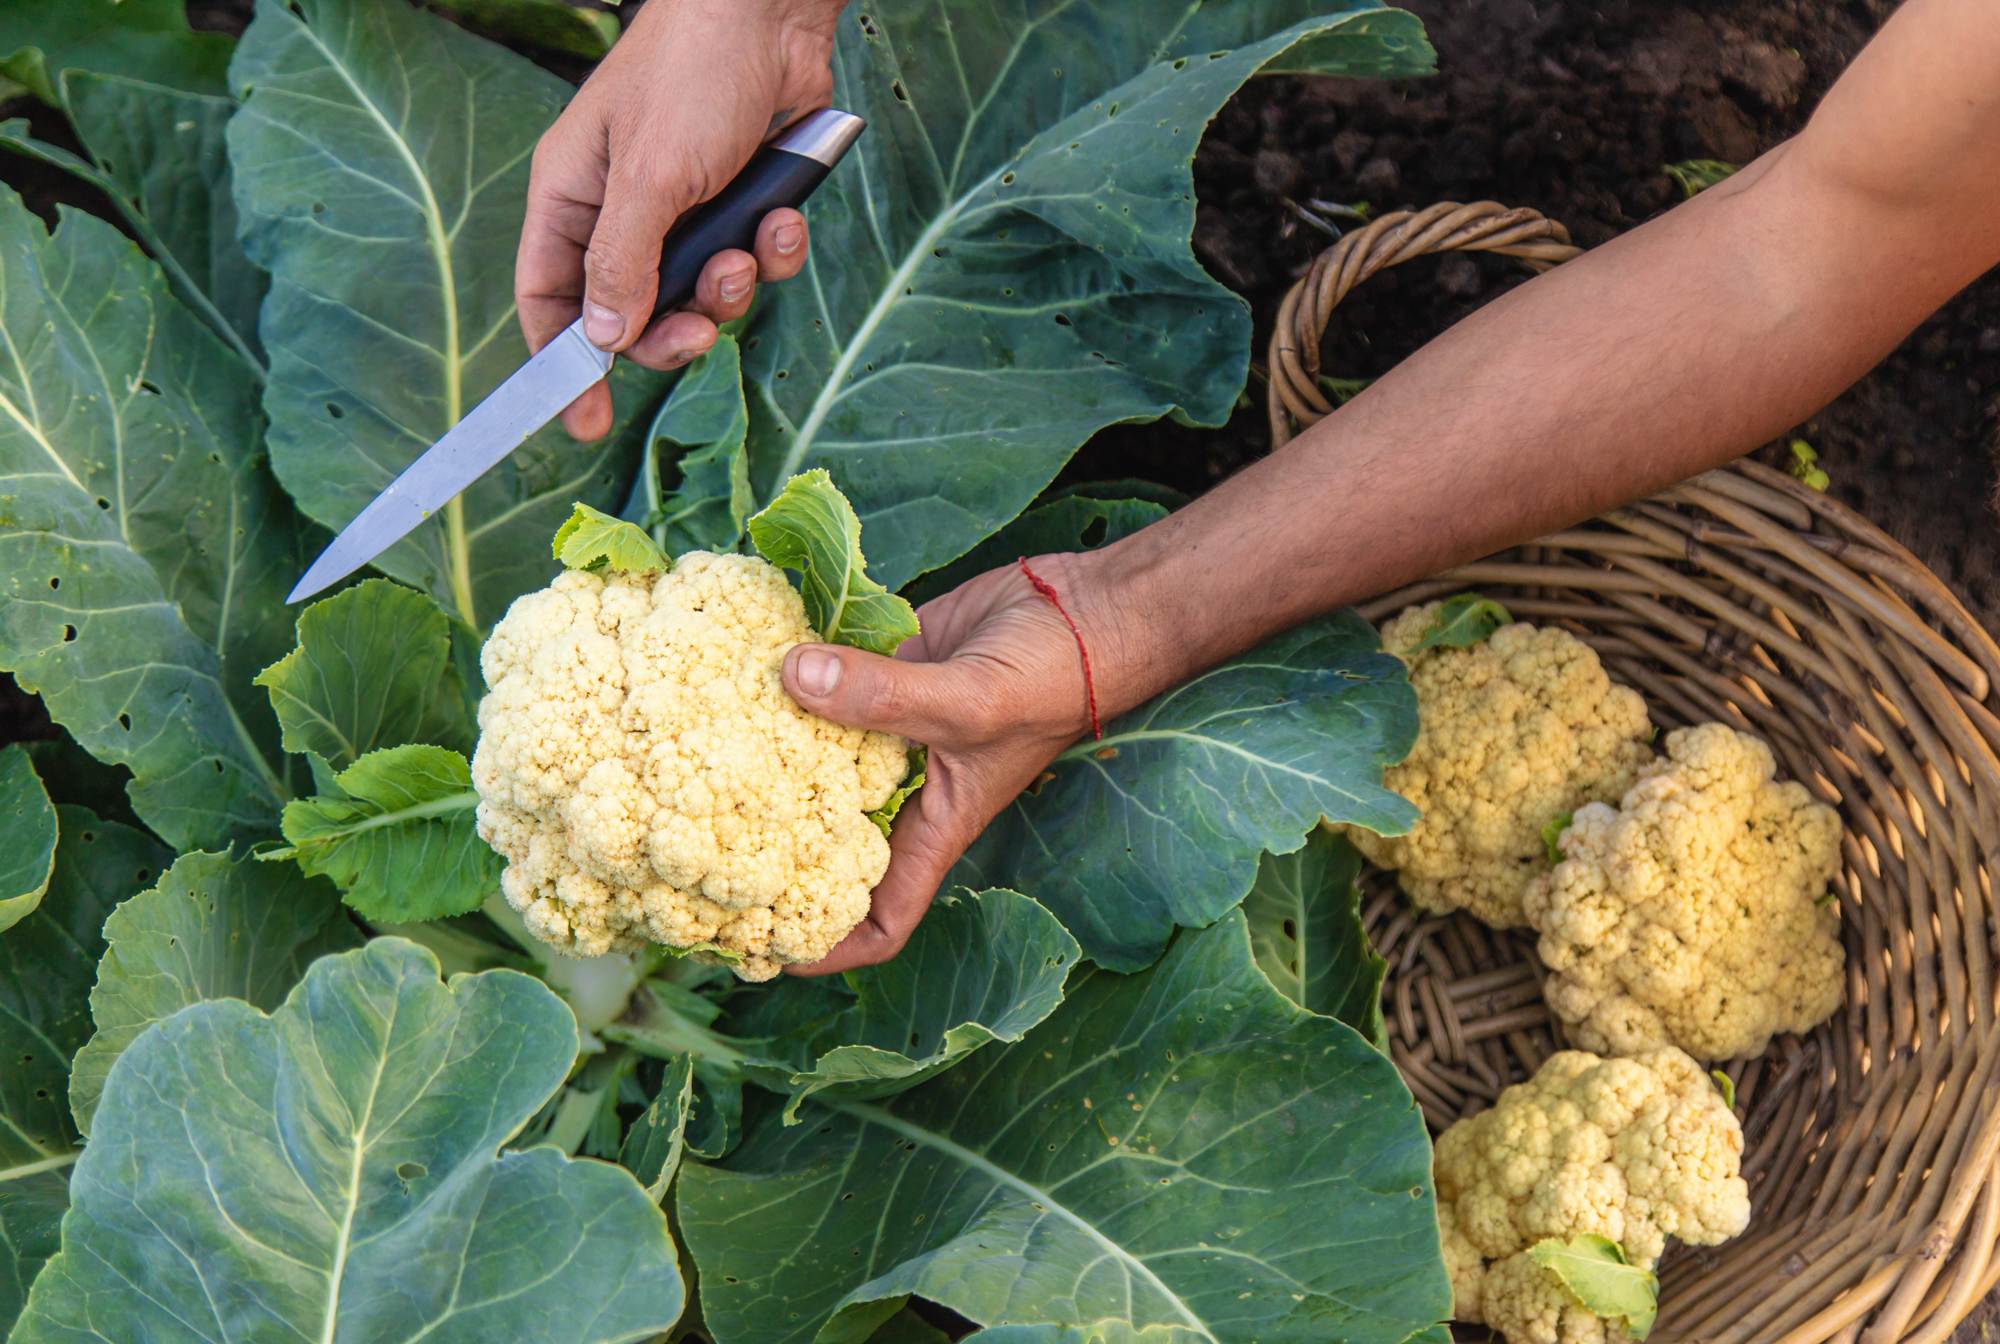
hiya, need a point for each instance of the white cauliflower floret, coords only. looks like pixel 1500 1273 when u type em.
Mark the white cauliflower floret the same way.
pixel 646 777
pixel 1636 1150
pixel 1514 731
pixel 1687 916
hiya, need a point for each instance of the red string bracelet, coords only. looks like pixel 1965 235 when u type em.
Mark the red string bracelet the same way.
pixel 1089 690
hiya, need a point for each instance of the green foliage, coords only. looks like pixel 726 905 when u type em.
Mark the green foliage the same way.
pixel 1304 913
pixel 812 528
pixel 593 540
pixel 554 24
pixel 143 565
pixel 885 815
pixel 145 39
pixel 1595 1270
pixel 1725 1085
pixel 27 837
pixel 1157 1153
pixel 1001 266
pixel 1805 465
pixel 1698 175
pixel 216 927
pixel 211 1189
pixel 398 837
pixel 1163 822
pixel 1552 833
pixel 701 428
pixel 381 166
pixel 1460 622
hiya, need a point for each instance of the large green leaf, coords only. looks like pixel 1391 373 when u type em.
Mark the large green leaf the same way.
pixel 399 838
pixel 1163 821
pixel 700 430
pixel 216 927
pixel 331 1172
pixel 158 154
pixel 1001 266
pixel 980 968
pixel 381 169
pixel 46 964
pixel 1594 1268
pixel 146 553
pixel 31 1210
pixel 1079 523
pixel 1304 912
pixel 147 39
pixel 653 1147
pixel 27 837
pixel 810 527
pixel 373 668
pixel 1179 1149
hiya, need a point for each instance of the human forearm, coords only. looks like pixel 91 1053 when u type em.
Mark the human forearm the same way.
pixel 1667 352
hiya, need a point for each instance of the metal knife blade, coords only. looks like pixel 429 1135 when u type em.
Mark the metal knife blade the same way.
pixel 534 395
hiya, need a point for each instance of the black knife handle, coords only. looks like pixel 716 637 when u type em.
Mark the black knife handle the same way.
pixel 780 174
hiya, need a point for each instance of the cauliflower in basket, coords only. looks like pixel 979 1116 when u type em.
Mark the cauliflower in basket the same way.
pixel 1688 916
pixel 646 777
pixel 1515 731
pixel 1634 1150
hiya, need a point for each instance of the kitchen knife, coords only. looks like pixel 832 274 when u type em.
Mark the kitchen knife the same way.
pixel 784 172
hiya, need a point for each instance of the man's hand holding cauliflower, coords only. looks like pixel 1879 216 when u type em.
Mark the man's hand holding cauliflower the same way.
pixel 647 778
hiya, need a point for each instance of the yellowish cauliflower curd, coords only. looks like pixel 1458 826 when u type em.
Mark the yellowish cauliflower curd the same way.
pixel 1686 915
pixel 646 777
pixel 1637 1150
pixel 1513 731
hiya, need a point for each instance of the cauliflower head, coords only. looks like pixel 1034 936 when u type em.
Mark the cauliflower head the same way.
pixel 1514 731
pixel 646 777
pixel 1637 1150
pixel 1687 915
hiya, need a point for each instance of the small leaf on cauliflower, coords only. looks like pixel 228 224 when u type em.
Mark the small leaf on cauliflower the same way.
pixel 810 527
pixel 1462 621
pixel 1595 1269
pixel 885 814
pixel 1552 834
pixel 593 540
pixel 1725 1085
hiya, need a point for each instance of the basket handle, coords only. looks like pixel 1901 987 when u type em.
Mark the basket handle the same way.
pixel 1483 226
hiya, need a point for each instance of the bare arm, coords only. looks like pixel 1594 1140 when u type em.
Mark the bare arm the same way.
pixel 1669 351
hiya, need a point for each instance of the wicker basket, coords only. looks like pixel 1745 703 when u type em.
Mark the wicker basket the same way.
pixel 1745 597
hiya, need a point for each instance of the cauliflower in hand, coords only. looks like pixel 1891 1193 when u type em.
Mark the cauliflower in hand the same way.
pixel 1634 1150
pixel 646 776
pixel 1515 731
pixel 1688 916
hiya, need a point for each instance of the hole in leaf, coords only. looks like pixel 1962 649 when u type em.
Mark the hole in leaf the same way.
pixel 412 1171
pixel 319 207
pixel 1094 534
pixel 69 634
pixel 125 722
pixel 143 875
pixel 334 411
pixel 55 581
pixel 1062 321
pixel 149 387
pixel 1291 929
pixel 1006 180
pixel 103 503
pixel 896 87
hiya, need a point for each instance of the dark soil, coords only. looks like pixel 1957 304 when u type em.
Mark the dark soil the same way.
pixel 1573 109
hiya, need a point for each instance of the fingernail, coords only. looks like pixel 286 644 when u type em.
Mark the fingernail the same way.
pixel 817 672
pixel 734 286
pixel 683 356
pixel 602 326
pixel 789 236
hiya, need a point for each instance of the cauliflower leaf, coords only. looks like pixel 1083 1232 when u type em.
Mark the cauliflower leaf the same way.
pixel 1552 833
pixel 705 418
pixel 1460 622
pixel 886 814
pixel 1594 1268
pixel 594 540
pixel 28 845
pixel 1306 935
pixel 810 527
pixel 399 838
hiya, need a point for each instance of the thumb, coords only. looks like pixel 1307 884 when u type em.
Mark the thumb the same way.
pixel 939 704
